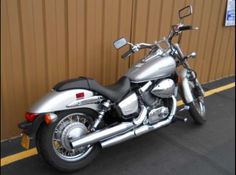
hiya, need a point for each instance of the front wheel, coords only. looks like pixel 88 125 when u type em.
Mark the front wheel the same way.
pixel 197 107
pixel 53 141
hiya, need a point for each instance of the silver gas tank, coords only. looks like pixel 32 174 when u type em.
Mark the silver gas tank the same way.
pixel 152 68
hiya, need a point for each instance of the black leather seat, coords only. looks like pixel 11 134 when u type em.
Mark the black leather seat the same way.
pixel 113 92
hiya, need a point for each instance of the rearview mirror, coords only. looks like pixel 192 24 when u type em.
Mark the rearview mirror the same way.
pixel 186 11
pixel 120 43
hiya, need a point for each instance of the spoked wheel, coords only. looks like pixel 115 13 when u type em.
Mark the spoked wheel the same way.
pixel 197 107
pixel 54 141
pixel 72 126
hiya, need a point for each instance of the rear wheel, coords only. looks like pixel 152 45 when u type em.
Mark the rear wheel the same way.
pixel 53 141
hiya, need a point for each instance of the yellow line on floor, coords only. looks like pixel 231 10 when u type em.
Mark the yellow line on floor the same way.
pixel 219 89
pixel 213 91
pixel 31 152
pixel 18 156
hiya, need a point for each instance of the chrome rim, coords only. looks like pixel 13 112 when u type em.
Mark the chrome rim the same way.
pixel 71 127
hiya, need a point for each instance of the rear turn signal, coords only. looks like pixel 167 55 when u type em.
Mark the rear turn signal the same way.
pixel 30 117
pixel 50 118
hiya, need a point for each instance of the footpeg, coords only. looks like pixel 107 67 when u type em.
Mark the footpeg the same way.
pixel 183 119
pixel 185 108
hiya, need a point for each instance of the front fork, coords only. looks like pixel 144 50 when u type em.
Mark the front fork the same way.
pixel 187 76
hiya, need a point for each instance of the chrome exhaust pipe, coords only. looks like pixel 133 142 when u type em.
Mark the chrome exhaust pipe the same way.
pixel 106 137
pixel 110 132
pixel 100 135
pixel 141 130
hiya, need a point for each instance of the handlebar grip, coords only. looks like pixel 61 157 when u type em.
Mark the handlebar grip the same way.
pixel 127 54
pixel 187 27
pixel 145 47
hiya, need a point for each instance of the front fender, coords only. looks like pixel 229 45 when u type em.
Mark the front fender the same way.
pixel 58 101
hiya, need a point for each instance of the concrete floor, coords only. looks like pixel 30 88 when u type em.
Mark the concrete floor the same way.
pixel 178 149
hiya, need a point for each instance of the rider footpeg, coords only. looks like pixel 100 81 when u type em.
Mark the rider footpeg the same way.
pixel 185 108
pixel 183 119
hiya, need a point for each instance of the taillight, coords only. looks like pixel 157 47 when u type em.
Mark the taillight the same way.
pixel 30 117
pixel 80 95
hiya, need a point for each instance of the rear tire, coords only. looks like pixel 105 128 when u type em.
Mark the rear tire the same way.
pixel 46 146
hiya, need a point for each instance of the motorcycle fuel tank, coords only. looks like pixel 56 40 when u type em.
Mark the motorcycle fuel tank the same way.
pixel 152 68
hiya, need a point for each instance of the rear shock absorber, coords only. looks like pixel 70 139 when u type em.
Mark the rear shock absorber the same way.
pixel 105 107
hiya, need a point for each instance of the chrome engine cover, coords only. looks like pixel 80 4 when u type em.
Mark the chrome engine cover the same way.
pixel 158 114
pixel 164 89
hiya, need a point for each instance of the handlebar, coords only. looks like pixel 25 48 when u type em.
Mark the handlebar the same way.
pixel 135 48
pixel 176 30
pixel 145 46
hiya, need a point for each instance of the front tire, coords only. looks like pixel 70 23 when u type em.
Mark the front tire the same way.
pixel 197 107
pixel 198 111
pixel 53 141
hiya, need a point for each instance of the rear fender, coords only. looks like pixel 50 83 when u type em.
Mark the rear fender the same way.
pixel 65 100
pixel 55 101
pixel 31 128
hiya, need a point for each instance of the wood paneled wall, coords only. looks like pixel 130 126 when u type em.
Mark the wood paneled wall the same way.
pixel 46 41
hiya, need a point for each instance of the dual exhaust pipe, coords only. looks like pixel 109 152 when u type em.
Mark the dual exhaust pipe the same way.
pixel 124 131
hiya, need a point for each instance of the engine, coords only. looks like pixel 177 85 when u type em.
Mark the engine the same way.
pixel 153 97
pixel 156 108
pixel 154 100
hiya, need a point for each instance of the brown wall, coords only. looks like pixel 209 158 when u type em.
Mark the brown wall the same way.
pixel 46 41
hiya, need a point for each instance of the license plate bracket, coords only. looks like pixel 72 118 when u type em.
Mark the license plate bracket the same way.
pixel 25 141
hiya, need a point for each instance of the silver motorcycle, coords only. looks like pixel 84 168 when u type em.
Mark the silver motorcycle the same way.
pixel 79 116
